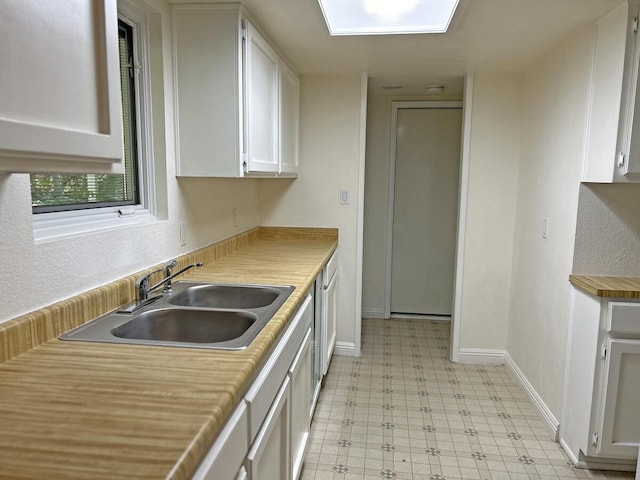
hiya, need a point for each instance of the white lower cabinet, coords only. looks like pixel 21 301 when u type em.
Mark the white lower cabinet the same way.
pixel 269 457
pixel 224 459
pixel 266 437
pixel 600 423
pixel 620 417
pixel 300 374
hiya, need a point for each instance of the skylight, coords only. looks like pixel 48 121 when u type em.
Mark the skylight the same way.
pixel 386 17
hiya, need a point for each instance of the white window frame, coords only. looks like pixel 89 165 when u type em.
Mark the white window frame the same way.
pixel 57 225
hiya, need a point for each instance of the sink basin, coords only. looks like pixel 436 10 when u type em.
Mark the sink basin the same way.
pixel 191 326
pixel 196 315
pixel 226 296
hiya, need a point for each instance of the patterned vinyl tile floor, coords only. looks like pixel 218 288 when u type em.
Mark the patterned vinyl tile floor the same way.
pixel 404 411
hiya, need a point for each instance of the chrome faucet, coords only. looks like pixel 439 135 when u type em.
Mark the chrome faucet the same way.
pixel 143 288
pixel 143 282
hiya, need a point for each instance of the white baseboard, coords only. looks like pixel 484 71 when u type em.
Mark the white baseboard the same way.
pixel 480 356
pixel 345 349
pixel 536 399
pixel 568 452
pixel 373 313
pixel 420 316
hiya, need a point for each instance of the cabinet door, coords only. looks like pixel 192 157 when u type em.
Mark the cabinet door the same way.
pixel 619 411
pixel 329 321
pixel 289 115
pixel 631 106
pixel 261 88
pixel 60 107
pixel 269 456
pixel 300 373
pixel 207 47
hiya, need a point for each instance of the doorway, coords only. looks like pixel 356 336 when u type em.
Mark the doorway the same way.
pixel 423 207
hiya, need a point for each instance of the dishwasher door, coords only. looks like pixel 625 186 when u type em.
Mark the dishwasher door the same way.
pixel 316 344
pixel 329 311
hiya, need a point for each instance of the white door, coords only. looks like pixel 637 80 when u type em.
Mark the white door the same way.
pixel 425 210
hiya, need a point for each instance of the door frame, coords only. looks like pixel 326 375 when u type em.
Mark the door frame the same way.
pixel 465 142
pixel 396 106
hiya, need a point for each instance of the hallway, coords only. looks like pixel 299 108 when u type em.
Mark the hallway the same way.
pixel 404 411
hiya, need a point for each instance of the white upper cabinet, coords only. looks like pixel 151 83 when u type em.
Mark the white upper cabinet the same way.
pixel 612 152
pixel 228 83
pixel 60 87
pixel 289 120
pixel 261 87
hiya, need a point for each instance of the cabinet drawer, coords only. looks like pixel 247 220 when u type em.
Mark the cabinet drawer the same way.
pixel 261 394
pixel 623 318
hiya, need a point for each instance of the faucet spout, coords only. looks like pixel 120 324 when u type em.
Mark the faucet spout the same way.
pixel 167 280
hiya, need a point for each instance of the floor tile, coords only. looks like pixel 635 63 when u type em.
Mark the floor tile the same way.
pixel 404 411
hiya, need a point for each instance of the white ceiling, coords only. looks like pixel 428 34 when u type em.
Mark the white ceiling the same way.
pixel 496 35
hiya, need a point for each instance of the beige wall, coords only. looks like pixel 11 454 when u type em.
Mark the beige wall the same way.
pixel 553 126
pixel 494 153
pixel 329 150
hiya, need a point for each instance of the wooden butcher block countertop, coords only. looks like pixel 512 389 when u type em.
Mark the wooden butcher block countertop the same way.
pixel 97 411
pixel 611 287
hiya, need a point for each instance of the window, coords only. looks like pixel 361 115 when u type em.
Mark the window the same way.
pixel 62 203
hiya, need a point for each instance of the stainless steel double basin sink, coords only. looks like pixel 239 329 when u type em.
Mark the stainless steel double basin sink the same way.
pixel 196 315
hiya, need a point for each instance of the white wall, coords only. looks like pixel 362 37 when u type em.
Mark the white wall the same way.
pixel 494 153
pixel 553 126
pixel 330 123
pixel 41 274
pixel 608 230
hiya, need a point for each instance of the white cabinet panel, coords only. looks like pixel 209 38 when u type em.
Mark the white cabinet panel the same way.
pixel 300 373
pixel 208 83
pixel 228 96
pixel 289 119
pixel 262 103
pixel 329 311
pixel 612 152
pixel 60 64
pixel 620 417
pixel 268 458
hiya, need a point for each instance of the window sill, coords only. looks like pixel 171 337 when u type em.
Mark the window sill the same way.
pixel 49 227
